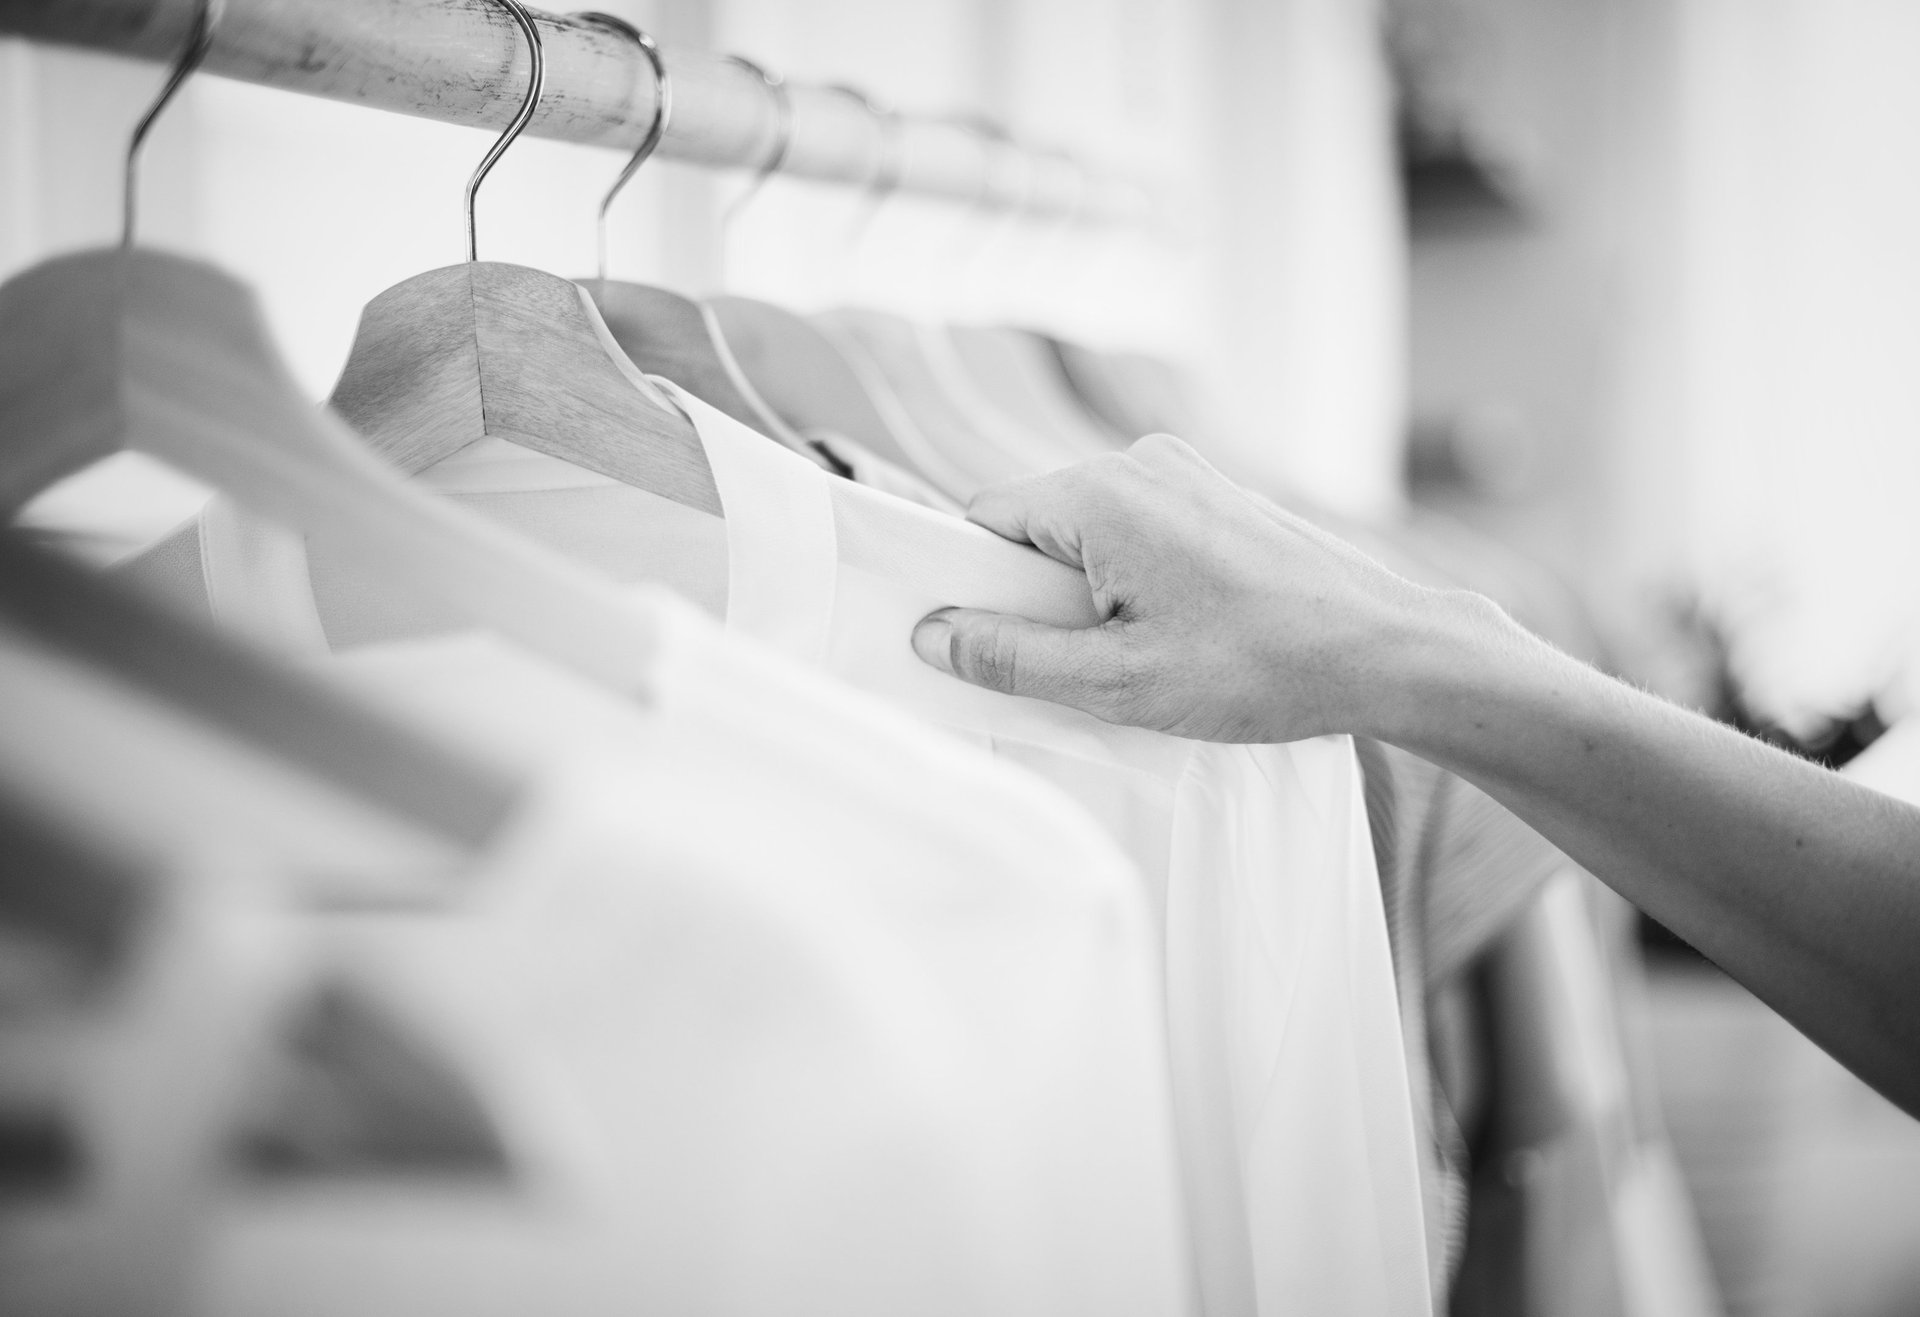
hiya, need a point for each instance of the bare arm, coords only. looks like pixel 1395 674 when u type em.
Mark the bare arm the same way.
pixel 1231 620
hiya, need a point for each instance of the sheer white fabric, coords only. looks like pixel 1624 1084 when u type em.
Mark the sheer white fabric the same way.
pixel 782 1005
pixel 1289 1080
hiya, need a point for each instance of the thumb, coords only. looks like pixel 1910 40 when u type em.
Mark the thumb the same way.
pixel 1018 657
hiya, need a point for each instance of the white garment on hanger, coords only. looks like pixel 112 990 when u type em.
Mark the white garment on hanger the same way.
pixel 1290 1086
pixel 866 467
pixel 1289 1075
pixel 783 1005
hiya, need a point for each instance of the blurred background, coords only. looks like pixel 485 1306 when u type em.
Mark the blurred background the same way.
pixel 1631 287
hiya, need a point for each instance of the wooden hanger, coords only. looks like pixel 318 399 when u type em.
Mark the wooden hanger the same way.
pixel 805 377
pixel 124 348
pixel 128 348
pixel 673 336
pixel 1018 373
pixel 110 350
pixel 487 348
pixel 1092 382
pixel 663 332
pixel 503 350
pixel 155 735
pixel 1133 392
pixel 250 697
pixel 132 1074
pixel 891 348
pixel 977 442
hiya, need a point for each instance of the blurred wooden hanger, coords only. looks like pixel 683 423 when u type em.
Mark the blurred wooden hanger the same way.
pixel 487 348
pixel 127 348
pixel 809 379
pixel 1018 372
pixel 153 734
pixel 979 414
pixel 890 348
pixel 1131 392
pixel 1016 375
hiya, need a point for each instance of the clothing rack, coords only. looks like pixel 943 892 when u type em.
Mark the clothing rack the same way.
pixel 465 62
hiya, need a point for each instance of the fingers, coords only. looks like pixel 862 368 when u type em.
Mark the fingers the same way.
pixel 1058 511
pixel 1038 510
pixel 1018 657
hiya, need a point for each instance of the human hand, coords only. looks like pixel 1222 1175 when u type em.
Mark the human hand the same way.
pixel 1228 619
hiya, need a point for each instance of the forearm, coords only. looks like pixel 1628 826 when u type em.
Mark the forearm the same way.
pixel 1803 886
pixel 1229 619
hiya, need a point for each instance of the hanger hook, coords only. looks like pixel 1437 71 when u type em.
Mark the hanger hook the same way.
pixel 889 165
pixel 1082 186
pixel 1029 193
pixel 887 170
pixel 998 213
pixel 663 114
pixel 536 84
pixel 206 17
pixel 782 136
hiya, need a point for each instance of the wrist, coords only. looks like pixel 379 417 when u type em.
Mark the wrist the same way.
pixel 1440 660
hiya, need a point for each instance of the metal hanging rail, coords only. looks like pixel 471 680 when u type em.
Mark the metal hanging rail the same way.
pixel 464 62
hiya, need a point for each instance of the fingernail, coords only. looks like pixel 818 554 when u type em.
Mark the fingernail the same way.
pixel 933 640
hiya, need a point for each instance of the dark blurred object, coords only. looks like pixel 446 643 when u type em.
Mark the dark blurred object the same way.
pixel 1488 448
pixel 1451 181
pixel 358 1093
pixel 1578 1206
pixel 1460 166
pixel 1834 740
pixel 39 1154
pixel 69 911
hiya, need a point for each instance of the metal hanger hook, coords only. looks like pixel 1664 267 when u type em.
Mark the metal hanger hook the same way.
pixel 782 137
pixel 663 115
pixel 1000 208
pixel 1082 188
pixel 890 163
pixel 199 41
pixel 1029 193
pixel 536 85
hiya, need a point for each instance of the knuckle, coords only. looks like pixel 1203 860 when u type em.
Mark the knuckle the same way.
pixel 1113 680
pixel 1112 484
pixel 1162 452
pixel 1111 468
pixel 987 654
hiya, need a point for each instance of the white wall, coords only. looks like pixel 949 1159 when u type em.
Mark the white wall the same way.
pixel 1307 250
pixel 1708 332
pixel 1799 325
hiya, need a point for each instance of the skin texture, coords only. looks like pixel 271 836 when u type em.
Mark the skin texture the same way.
pixel 1229 619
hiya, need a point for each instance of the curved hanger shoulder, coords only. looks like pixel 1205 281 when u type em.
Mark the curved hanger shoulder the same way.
pixel 410 387
pixel 805 378
pixel 890 346
pixel 1132 392
pixel 666 334
pixel 1010 369
pixel 488 348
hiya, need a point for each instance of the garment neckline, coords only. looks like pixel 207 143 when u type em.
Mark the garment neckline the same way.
pixel 791 526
